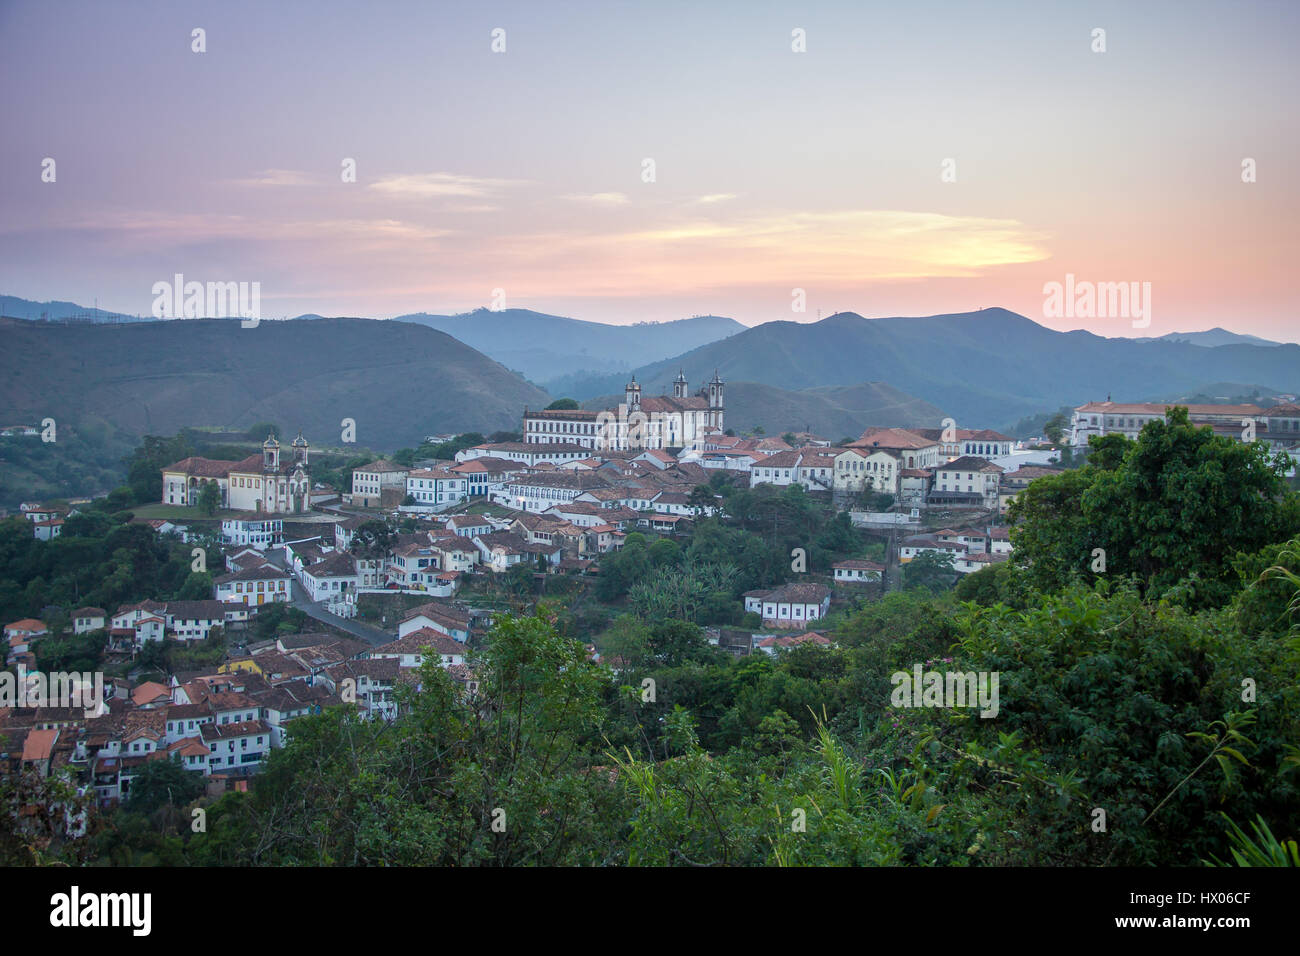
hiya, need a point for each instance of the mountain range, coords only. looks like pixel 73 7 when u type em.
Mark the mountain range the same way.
pixel 1210 338
pixel 545 347
pixel 986 368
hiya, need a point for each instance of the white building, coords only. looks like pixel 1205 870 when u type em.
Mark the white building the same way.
pixel 266 584
pixel 790 605
pixel 440 487
pixel 370 480
pixel 857 571
pixel 259 483
pixel 651 422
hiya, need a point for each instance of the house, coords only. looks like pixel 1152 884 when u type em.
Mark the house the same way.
pixel 486 474
pixel 437 616
pixel 770 645
pixel 150 695
pixel 252 531
pixel 236 747
pixel 88 619
pixel 439 487
pixel 414 566
pixel 458 554
pixel 331 576
pixel 1014 482
pixel 47 530
pixel 193 620
pixel 529 453
pixel 413 648
pixel 867 469
pixel 790 605
pixel 857 571
pixel 502 550
pixel 149 628
pixel 466 526
pixel 538 492
pixel 38 750
pixel 912 450
pixel 367 683
pixel 369 481
pixel 966 482
pixel 959 442
pixel 25 632
pixel 253 586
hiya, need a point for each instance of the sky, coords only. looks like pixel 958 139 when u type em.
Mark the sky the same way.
pixel 910 159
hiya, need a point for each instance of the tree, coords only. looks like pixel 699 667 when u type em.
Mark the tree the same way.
pixel 1178 503
pixel 565 404
pixel 1055 427
pixel 929 569
pixel 160 782
pixel 209 498
pixel 259 431
pixel 372 539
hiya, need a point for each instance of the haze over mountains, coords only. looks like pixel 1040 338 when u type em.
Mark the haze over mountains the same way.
pixel 546 347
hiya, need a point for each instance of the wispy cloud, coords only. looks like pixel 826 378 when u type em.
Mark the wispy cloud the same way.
pixel 599 199
pixel 278 177
pixel 715 198
pixel 435 185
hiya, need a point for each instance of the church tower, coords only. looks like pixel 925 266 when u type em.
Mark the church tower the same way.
pixel 300 450
pixel 679 384
pixel 270 454
pixel 633 395
pixel 715 401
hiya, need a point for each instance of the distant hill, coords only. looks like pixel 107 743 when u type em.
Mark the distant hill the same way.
pixel 832 412
pixel 398 381
pixel 987 368
pixel 546 347
pixel 57 311
pixel 1210 338
pixel 1225 393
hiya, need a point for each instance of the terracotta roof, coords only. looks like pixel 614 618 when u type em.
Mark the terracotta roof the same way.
pixel 424 639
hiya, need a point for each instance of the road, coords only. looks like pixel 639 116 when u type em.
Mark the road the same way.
pixel 374 636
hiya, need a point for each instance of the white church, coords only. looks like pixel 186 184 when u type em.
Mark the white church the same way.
pixel 638 423
pixel 264 484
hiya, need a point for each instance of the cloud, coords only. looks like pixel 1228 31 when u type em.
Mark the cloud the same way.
pixel 435 185
pixel 277 177
pixel 599 199
pixel 715 198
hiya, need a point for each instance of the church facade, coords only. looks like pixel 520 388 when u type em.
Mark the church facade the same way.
pixel 269 483
pixel 638 423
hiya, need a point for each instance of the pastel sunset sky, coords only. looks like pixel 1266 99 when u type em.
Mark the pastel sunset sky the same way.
pixel 774 170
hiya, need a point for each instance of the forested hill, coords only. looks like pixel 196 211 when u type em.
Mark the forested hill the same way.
pixel 398 381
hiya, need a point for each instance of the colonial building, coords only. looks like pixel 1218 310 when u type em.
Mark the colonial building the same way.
pixel 263 483
pixel 1128 419
pixel 790 605
pixel 370 480
pixel 913 450
pixel 968 482
pixel 652 422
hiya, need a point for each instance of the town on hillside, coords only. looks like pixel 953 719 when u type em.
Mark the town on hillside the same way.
pixel 320 597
